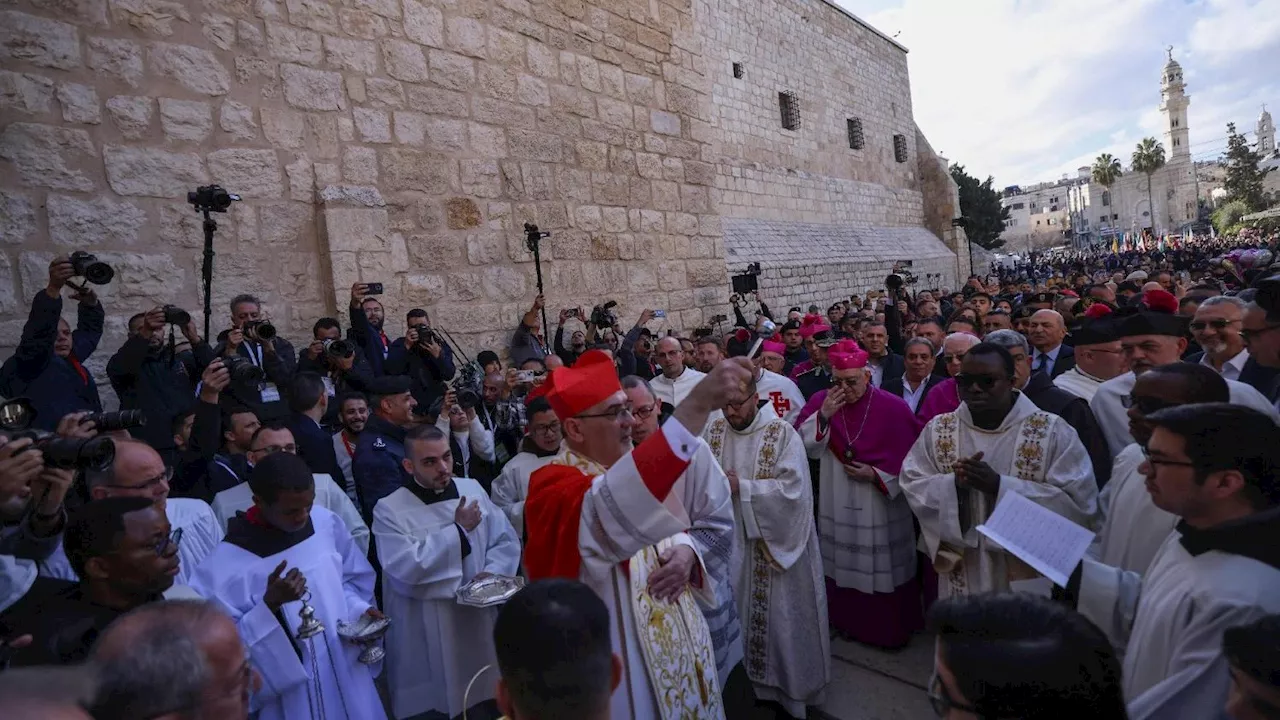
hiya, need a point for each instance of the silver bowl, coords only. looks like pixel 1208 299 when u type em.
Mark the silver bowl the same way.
pixel 364 629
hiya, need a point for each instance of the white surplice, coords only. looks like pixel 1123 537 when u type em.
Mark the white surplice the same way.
pixel 673 392
pixel 436 645
pixel 1168 624
pixel 621 522
pixel 1037 454
pixel 1133 528
pixel 1079 383
pixel 301 679
pixel 1113 418
pixel 782 393
pixel 511 486
pixel 329 496
pixel 201 533
pixel 782 596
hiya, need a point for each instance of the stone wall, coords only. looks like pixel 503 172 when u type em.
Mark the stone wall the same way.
pixel 401 141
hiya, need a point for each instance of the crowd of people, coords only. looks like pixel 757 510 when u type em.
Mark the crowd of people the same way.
pixel 686 520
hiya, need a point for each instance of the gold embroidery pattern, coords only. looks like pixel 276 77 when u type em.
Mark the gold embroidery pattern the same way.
pixel 758 613
pixel 946 449
pixel 767 461
pixel 1029 457
pixel 676 645
pixel 715 437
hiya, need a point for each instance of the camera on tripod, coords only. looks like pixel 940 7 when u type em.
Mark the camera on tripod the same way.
pixel 89 267
pixel 211 198
pixel 747 282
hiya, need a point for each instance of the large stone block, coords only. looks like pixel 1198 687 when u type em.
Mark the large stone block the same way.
pixel 452 71
pixel 318 15
pixel 131 115
pixel 286 224
pixel 435 251
pixel 357 229
pixel 153 17
pixel 373 125
pixel 153 172
pixel 706 273
pixel 360 165
pixel 352 195
pixel 79 104
pixel 404 61
pixel 466 36
pixel 424 24
pixel 77 223
pixel 481 178
pixel 186 120
pixel 39 41
pixel 424 290
pixel 302 179
pixel 237 120
pixel 196 69
pixel 251 173
pixel 486 248
pixel 408 169
pixel 527 145
pixel 292 44
pixel 30 94
pixel 219 30
pixel 466 287
pixel 310 89
pixel 358 23
pixel 381 92
pixel 8 298
pixel 505 283
pixel 48 156
pixel 359 56
pixel 17 218
pixel 462 213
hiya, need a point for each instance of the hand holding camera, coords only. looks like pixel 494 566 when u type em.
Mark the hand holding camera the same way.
pixel 60 271
pixel 213 381
pixel 235 338
pixel 18 468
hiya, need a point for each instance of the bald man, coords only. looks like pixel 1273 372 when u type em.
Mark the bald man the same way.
pixel 178 658
pixel 676 379
pixel 1045 332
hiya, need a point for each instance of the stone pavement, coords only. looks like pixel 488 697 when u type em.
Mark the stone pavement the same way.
pixel 871 684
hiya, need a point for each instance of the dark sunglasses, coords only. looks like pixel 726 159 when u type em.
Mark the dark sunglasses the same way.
pixel 984 382
pixel 1216 324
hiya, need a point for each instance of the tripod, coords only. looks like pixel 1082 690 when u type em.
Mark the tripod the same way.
pixel 531 240
pixel 209 199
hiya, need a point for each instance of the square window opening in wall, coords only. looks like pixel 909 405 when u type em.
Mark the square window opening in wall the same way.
pixel 856 139
pixel 900 148
pixel 739 70
pixel 789 105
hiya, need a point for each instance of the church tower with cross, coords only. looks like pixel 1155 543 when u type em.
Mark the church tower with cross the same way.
pixel 1173 106
pixel 1266 133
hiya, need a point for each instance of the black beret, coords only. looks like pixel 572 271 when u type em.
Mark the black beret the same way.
pixel 1093 332
pixel 1042 297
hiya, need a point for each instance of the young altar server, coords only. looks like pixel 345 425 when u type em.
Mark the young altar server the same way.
pixel 285 551
pixel 434 535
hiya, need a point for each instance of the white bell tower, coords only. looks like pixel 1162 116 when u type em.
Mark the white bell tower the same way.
pixel 1174 102
pixel 1266 133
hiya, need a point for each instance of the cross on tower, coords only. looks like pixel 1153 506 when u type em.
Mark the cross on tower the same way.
pixel 1169 50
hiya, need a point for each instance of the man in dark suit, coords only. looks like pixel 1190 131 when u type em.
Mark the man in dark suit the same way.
pixel 884 364
pixel 1045 330
pixel 918 377
pixel 1216 328
pixel 274 356
pixel 309 400
pixel 1039 389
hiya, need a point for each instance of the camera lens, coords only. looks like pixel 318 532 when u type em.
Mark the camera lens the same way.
pixel 242 371
pixel 90 268
pixel 119 420
pixel 95 453
pixel 174 315
pixel 468 399
pixel 338 348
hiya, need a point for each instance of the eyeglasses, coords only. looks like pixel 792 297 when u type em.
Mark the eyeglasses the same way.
pixel 644 411
pixel 1216 324
pixel 847 382
pixel 985 382
pixel 291 448
pixel 953 358
pixel 552 428
pixel 941 700
pixel 1145 405
pixel 162 544
pixel 614 413
pixel 163 477
pixel 1155 462
pixel 1249 335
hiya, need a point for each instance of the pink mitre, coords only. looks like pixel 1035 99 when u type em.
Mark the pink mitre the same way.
pixel 776 348
pixel 846 355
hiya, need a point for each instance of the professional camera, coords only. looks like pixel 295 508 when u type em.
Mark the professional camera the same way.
pixel 95 453
pixel 602 316
pixel 174 315
pixel 718 319
pixel 90 268
pixel 211 198
pixel 259 330
pixel 747 282
pixel 242 370
pixel 468 398
pixel 338 349
pixel 113 421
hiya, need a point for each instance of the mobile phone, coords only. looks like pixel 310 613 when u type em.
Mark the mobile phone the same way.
pixel 571 312
pixel 527 375
pixel 660 313
pixel 373 289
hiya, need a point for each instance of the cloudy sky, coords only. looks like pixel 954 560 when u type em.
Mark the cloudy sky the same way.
pixel 1026 90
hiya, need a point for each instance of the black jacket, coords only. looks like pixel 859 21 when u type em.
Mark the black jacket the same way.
pixel 54 385
pixel 427 373
pixel 375 345
pixel 892 367
pixel 148 378
pixel 316 447
pixel 897 386
pixel 359 379
pixel 1066 360
pixel 1261 378
pixel 1075 410
pixel 191 468
pixel 279 370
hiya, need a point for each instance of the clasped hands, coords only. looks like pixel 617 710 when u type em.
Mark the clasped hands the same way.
pixel 972 472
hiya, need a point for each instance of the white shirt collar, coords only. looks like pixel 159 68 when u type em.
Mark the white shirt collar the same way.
pixel 1232 368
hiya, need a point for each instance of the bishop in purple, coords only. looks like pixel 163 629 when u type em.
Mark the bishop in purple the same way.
pixel 860 436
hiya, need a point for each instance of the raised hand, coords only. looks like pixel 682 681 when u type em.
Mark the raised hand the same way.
pixel 468 516
pixel 289 588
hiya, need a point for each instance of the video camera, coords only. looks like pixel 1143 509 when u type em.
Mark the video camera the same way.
pixel 602 316
pixel 747 282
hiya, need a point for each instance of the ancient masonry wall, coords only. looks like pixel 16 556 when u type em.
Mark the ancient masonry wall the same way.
pixel 401 141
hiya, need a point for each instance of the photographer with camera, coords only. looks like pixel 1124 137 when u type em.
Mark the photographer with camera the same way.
pixel 197 436
pixel 527 341
pixel 48 366
pixel 422 356
pixel 341 364
pixel 367 317
pixel 252 339
pixel 471 443
pixel 577 340
pixel 33 491
pixel 156 380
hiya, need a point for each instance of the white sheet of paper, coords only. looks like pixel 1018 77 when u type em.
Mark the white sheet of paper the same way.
pixel 1041 538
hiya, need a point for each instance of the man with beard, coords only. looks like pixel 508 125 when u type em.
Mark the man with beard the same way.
pixel 917 378
pixel 353 413
pixel 1099 356
pixel 1052 399
pixel 1152 335
pixel 964 461
pixel 147 377
pixel 422 356
pixel 676 380
pixel 795 352
pixel 1216 327
pixel 376 464
pixel 501 414
pixel 435 534
pixel 577 340
pixel 704 490
pixel 1133 528
pixel 540 444
pixel 1214 466
pixel 48 366
pixel 367 316
pixel 777 565
pixel 283 552
pixel 125 554
pixel 585 513
pixel 708 352
pixel 860 435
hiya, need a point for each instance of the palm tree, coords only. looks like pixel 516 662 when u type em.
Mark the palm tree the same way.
pixel 1148 157
pixel 1106 171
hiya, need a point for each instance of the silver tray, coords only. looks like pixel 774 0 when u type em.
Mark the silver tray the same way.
pixel 364 629
pixel 493 590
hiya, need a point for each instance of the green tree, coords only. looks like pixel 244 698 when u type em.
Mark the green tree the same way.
pixel 1148 158
pixel 980 205
pixel 1228 215
pixel 1244 177
pixel 1106 171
